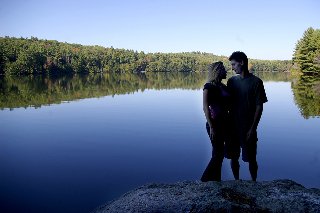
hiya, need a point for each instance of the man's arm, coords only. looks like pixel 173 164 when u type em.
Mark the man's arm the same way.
pixel 257 116
pixel 260 99
pixel 256 119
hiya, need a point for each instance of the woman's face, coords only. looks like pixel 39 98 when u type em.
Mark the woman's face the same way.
pixel 222 72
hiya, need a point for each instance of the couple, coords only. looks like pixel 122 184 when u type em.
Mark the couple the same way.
pixel 233 113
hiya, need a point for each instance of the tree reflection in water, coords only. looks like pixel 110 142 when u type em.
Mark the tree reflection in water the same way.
pixel 306 90
pixel 38 90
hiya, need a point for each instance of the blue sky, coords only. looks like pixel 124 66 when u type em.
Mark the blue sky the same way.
pixel 262 29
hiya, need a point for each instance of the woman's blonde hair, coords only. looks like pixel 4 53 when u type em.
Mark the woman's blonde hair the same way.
pixel 213 71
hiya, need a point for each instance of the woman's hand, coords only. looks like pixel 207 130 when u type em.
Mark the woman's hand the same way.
pixel 212 133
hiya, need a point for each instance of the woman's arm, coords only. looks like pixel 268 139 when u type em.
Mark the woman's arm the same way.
pixel 207 111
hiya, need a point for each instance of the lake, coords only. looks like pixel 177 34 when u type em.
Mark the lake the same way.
pixel 71 143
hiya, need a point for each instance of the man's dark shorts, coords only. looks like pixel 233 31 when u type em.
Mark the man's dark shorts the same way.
pixel 249 148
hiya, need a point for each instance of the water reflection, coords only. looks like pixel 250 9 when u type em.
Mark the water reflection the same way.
pixel 35 91
pixel 56 156
pixel 26 91
pixel 306 90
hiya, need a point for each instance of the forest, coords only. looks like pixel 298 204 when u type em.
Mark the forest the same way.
pixel 20 56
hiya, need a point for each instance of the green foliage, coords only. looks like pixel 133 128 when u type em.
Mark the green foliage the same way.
pixel 33 56
pixel 306 69
pixel 270 65
pixel 307 52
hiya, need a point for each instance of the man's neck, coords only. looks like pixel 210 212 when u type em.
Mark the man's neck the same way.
pixel 244 73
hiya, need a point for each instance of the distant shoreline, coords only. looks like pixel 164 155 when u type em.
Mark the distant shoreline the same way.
pixel 32 55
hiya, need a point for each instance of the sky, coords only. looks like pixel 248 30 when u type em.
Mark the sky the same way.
pixel 262 29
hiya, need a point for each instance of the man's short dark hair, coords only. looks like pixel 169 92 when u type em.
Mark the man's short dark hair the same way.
pixel 239 57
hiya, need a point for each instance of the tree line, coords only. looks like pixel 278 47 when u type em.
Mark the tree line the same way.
pixel 20 56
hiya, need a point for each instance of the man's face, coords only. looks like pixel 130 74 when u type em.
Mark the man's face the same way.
pixel 236 66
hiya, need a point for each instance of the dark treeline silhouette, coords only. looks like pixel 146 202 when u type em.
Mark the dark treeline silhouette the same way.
pixel 31 56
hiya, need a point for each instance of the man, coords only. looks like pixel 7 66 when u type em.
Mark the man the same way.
pixel 247 99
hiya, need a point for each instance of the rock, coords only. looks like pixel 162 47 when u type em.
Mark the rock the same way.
pixel 225 196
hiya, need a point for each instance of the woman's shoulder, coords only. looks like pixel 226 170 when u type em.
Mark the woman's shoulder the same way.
pixel 209 85
pixel 206 85
pixel 224 86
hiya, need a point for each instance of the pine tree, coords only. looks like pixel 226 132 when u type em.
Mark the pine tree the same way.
pixel 307 52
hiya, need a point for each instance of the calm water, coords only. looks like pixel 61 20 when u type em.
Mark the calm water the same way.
pixel 69 144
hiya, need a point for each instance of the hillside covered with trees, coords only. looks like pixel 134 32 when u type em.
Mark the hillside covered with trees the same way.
pixel 32 56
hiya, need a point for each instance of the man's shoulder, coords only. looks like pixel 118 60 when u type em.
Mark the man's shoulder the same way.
pixel 256 79
pixel 233 78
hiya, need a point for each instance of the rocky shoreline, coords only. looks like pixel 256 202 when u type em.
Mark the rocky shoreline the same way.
pixel 225 196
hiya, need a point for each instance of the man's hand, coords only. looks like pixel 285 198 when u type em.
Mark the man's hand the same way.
pixel 256 119
pixel 250 134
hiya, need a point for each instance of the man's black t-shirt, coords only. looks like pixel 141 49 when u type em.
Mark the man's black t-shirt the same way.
pixel 246 93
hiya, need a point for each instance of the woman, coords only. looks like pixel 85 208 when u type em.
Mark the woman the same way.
pixel 215 106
